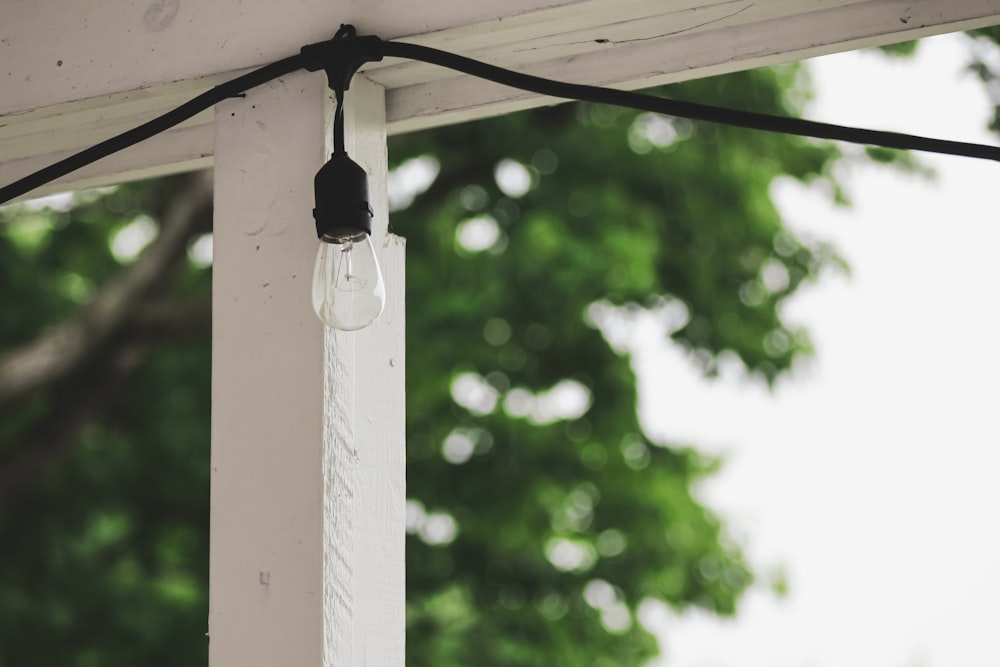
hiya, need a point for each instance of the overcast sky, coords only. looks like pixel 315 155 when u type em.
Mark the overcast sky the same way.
pixel 871 475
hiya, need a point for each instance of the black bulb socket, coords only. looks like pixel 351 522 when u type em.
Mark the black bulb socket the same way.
pixel 342 210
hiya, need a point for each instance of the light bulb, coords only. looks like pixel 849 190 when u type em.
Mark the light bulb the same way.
pixel 348 292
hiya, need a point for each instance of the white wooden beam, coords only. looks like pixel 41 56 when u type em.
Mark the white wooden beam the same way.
pixel 307 464
pixel 374 411
pixel 51 53
pixel 688 44
pixel 177 50
pixel 184 148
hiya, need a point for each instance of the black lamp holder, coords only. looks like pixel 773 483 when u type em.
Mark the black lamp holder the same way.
pixel 342 56
pixel 342 211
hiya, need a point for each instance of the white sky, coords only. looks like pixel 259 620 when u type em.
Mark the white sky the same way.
pixel 871 475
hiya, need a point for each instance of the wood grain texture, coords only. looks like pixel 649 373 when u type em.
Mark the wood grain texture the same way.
pixel 380 413
pixel 50 54
pixel 364 464
pixel 689 44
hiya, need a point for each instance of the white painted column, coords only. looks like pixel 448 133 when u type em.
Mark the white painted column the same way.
pixel 308 490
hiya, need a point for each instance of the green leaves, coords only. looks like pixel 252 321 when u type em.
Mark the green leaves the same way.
pixel 625 210
pixel 104 470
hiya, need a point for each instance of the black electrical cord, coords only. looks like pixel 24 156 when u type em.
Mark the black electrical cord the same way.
pixel 342 55
pixel 193 107
pixel 690 110
pixel 338 123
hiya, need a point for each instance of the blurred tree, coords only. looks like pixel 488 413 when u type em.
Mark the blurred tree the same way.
pixel 104 408
pixel 551 516
pixel 541 516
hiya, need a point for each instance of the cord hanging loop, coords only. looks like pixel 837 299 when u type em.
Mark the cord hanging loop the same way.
pixel 342 56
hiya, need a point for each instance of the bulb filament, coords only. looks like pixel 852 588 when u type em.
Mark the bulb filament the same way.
pixel 348 269
pixel 347 280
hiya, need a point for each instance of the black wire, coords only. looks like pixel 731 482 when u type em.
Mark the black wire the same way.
pixel 151 128
pixel 691 110
pixel 338 123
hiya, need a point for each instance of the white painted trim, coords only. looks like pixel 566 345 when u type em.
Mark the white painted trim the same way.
pixel 307 501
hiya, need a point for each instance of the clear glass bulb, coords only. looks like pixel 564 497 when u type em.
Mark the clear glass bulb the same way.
pixel 348 292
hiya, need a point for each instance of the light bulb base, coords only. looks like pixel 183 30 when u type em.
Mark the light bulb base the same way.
pixel 342 211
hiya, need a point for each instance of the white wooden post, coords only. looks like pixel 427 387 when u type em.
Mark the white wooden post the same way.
pixel 308 489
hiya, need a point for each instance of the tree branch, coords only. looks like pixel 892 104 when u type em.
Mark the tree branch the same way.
pixel 62 350
pixel 173 321
pixel 53 437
